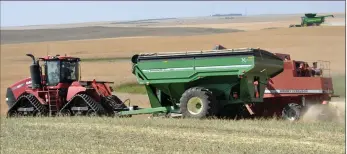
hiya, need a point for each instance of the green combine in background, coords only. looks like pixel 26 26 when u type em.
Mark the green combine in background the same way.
pixel 201 83
pixel 311 19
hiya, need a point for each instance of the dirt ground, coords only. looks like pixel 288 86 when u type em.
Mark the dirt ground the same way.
pixel 312 43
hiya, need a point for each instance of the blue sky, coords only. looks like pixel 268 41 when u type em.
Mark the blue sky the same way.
pixel 38 13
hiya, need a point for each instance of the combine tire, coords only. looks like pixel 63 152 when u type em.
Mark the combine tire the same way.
pixel 291 112
pixel 197 102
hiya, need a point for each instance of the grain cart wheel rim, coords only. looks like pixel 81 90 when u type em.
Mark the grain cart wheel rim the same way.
pixel 195 105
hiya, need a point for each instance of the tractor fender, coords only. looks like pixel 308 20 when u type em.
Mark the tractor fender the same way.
pixel 73 90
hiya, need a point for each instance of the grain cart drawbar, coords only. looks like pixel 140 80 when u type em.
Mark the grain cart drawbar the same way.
pixel 194 84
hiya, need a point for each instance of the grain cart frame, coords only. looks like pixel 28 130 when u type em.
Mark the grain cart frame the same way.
pixel 310 19
pixel 201 84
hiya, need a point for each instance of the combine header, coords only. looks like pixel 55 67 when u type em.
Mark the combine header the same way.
pixel 310 19
pixel 197 84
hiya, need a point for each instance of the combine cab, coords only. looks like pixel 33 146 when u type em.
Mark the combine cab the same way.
pixel 55 89
pixel 310 19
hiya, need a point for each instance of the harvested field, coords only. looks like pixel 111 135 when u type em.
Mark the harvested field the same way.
pixel 139 135
pixel 41 35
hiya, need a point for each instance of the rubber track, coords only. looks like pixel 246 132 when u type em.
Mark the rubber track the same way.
pixel 95 106
pixel 32 99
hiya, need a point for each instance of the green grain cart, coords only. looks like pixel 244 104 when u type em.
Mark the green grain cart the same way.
pixel 202 83
pixel 311 19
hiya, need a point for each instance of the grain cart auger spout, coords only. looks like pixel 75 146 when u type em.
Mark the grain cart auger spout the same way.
pixel 55 88
pixel 201 84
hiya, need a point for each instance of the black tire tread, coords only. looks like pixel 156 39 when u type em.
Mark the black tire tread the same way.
pixel 206 95
pixel 296 107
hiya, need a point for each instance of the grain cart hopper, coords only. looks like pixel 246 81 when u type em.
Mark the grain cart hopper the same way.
pixel 310 19
pixel 202 83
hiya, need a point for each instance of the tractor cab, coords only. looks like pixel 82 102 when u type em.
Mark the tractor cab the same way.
pixel 55 69
pixel 58 69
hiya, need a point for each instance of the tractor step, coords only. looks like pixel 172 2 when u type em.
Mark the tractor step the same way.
pixel 53 99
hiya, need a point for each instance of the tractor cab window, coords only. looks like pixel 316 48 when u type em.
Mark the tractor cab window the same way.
pixel 69 71
pixel 61 71
pixel 53 72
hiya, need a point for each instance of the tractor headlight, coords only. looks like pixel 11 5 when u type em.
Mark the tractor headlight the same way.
pixel 6 99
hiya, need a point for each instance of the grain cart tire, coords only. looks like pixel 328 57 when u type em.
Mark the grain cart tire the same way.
pixel 291 112
pixel 197 102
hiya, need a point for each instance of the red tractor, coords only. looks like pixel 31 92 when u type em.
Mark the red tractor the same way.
pixel 55 89
pixel 290 93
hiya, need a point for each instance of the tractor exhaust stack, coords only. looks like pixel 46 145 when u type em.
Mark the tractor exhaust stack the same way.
pixel 32 57
pixel 35 73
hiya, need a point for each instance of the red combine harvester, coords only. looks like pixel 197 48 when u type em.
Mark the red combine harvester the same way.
pixel 290 93
pixel 55 89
